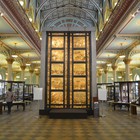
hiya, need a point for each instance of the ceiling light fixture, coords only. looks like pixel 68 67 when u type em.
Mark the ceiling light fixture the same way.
pixel 30 19
pixel 133 15
pixel 119 77
pixel 21 3
pixel 122 56
pixel 18 77
pixel 1 14
pixel 115 3
pixel 109 64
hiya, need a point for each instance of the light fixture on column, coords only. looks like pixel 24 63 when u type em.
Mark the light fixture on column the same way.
pixel 120 77
pixel 17 77
pixel 109 64
pixel 14 55
pixel 122 56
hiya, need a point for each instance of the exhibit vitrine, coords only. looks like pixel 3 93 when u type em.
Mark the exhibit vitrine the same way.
pixel 2 90
pixel 68 70
pixel 29 90
pixel 127 91
pixel 16 86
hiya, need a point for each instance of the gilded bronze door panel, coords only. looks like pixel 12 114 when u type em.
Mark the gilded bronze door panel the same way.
pixel 68 70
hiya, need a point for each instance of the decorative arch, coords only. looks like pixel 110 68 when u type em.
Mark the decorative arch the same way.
pixel 136 77
pixel 54 10
pixel 45 2
pixel 69 18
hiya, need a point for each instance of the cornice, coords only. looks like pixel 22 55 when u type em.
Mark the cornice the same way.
pixel 116 19
pixel 18 17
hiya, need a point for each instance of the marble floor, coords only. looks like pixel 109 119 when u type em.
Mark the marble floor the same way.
pixel 25 125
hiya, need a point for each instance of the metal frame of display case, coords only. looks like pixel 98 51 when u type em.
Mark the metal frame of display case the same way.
pixel 28 89
pixel 68 90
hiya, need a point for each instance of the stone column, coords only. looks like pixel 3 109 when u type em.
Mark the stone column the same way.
pixel 43 69
pixel 23 67
pixel 127 69
pixel 9 69
pixel 114 73
pixel 100 77
pixel 106 75
pixel 37 77
pixel 31 75
pixel 93 65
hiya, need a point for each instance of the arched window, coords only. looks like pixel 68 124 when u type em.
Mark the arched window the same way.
pixel 136 77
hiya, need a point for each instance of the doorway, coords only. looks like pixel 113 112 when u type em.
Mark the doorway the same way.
pixel 68 70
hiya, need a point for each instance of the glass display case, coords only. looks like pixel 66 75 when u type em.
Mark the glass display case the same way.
pixel 29 90
pixel 68 70
pixel 127 91
pixel 2 90
pixel 17 89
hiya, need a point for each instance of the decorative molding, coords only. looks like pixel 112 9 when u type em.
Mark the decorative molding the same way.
pixel 17 15
pixel 120 13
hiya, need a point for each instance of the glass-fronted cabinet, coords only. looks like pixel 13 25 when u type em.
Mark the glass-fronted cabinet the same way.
pixel 68 70
pixel 127 91
pixel 29 91
pixel 17 89
pixel 2 90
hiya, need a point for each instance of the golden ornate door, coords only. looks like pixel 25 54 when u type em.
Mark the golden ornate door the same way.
pixel 68 70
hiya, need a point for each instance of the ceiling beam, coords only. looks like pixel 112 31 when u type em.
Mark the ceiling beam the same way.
pixel 118 17
pixel 128 35
pixel 10 35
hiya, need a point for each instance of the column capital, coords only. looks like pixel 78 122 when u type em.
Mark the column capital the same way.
pixel 99 73
pixel 114 67
pixel 105 71
pixel 31 71
pixel 23 67
pixel 127 61
pixel 10 60
pixel 37 72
